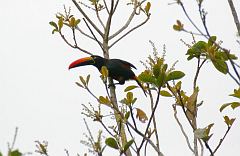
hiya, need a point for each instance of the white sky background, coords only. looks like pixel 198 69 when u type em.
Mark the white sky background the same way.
pixel 38 93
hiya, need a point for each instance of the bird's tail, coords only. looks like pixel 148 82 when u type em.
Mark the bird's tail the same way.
pixel 140 85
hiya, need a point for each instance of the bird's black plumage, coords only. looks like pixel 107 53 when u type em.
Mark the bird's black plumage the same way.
pixel 119 70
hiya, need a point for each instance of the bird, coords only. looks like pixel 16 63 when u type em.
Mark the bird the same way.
pixel 118 69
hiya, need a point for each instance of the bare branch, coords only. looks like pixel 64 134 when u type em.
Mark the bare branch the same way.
pixel 235 16
pixel 145 138
pixel 191 21
pixel 87 18
pixel 115 7
pixel 127 33
pixel 98 17
pixel 106 6
pixel 85 34
pixel 151 117
pixel 154 121
pixel 182 129
pixel 100 44
pixel 127 23
pixel 221 140
pixel 74 46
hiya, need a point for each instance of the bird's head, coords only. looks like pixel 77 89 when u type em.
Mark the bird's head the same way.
pixel 94 60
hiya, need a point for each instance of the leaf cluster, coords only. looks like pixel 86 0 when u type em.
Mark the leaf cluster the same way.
pixel 211 51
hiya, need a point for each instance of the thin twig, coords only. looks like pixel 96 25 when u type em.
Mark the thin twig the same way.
pixel 127 23
pixel 146 138
pixel 201 145
pixel 73 46
pixel 191 21
pixel 14 140
pixel 91 93
pixel 221 140
pixel 132 136
pixel 203 17
pixel 98 17
pixel 99 43
pixel 151 117
pixel 106 6
pixel 86 16
pixel 85 34
pixel 115 7
pixel 154 121
pixel 104 126
pixel 209 148
pixel 128 32
pixel 199 66
pixel 182 129
pixel 131 112
pixel 235 16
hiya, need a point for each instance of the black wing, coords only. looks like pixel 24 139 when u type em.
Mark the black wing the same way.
pixel 124 63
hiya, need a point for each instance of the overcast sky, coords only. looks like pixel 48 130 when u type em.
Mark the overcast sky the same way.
pixel 38 94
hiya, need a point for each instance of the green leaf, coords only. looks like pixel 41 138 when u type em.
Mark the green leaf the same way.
pixel 72 22
pixel 126 116
pixel 77 22
pixel 104 71
pixel 82 80
pixel 196 50
pixel 1 154
pixel 111 142
pixel 220 65
pixel 212 40
pixel 228 121
pixel 236 93
pixel 235 105
pixel 146 77
pixel 165 93
pixel 15 153
pixel 224 106
pixel 147 8
pixel 53 24
pixel 178 26
pixel 127 145
pixel 87 79
pixel 104 100
pixel 156 70
pixel 60 23
pixel 175 75
pixel 130 88
pixel 54 30
pixel 77 83
pixel 130 97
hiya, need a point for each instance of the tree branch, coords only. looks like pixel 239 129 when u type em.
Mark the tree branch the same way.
pixel 182 129
pixel 127 33
pixel 127 23
pixel 235 16
pixel 221 140
pixel 86 16
pixel 151 117
pixel 74 46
